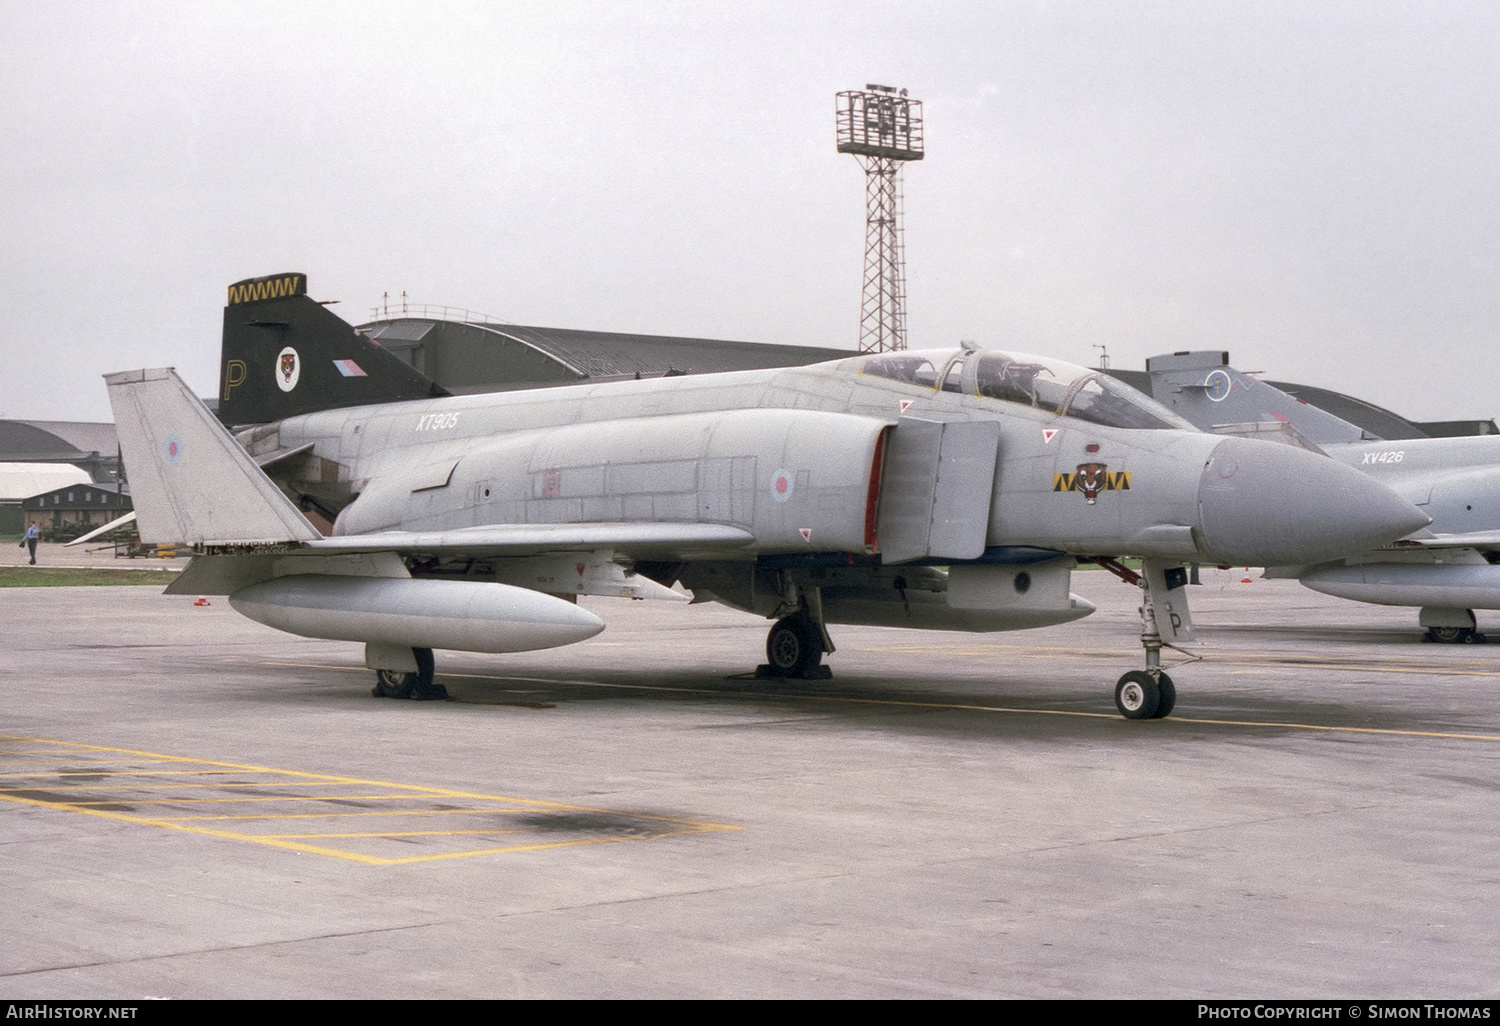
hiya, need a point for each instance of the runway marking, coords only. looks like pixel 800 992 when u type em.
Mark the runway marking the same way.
pixel 547 824
pixel 922 704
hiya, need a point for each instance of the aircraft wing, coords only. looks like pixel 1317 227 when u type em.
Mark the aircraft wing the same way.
pixel 194 484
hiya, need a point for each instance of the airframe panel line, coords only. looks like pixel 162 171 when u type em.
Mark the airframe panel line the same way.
pixel 957 706
pixel 651 827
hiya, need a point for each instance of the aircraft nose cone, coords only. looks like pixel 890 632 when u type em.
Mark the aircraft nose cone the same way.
pixel 1265 504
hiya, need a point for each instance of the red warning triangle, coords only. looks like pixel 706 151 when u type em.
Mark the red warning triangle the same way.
pixel 905 403
pixel 806 533
pixel 1047 434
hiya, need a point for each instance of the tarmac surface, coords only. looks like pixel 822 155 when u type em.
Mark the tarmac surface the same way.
pixel 196 806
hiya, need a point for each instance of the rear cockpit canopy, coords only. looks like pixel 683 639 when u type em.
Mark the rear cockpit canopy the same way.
pixel 1063 389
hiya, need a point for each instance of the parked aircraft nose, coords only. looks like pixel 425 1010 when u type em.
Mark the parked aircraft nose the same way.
pixel 1266 504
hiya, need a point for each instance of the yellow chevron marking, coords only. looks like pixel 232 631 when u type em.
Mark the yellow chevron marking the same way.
pixel 267 288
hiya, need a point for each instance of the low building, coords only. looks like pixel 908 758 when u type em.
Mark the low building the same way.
pixel 65 513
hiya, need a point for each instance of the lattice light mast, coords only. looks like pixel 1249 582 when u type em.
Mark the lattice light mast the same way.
pixel 882 127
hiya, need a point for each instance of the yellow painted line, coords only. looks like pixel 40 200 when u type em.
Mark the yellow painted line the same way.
pixel 389 833
pixel 229 801
pixel 180 787
pixel 351 815
pixel 661 826
pixel 968 707
pixel 127 773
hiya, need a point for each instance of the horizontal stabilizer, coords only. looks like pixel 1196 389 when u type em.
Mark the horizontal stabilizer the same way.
pixel 191 483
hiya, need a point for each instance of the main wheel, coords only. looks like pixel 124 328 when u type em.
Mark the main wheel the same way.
pixel 794 645
pixel 1450 635
pixel 1168 692
pixel 419 685
pixel 1137 696
pixel 394 683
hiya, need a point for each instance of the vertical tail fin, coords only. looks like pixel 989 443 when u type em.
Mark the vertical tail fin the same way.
pixel 285 354
pixel 1202 388
pixel 191 483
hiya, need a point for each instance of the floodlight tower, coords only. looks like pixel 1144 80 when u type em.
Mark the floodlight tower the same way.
pixel 882 127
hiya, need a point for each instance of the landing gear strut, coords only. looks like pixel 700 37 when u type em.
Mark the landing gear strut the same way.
pixel 796 643
pixel 1149 694
pixel 419 685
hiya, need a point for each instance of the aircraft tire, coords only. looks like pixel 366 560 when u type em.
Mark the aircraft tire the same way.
pixel 419 685
pixel 1168 693
pixel 1137 696
pixel 393 683
pixel 1450 635
pixel 794 646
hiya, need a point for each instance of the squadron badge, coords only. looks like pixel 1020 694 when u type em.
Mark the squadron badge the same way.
pixel 1091 479
pixel 288 369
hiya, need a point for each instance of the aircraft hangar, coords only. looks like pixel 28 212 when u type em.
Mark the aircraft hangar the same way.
pixel 467 353
pixel 38 455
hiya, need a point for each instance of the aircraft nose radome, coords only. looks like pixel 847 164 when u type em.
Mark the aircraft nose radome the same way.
pixel 1265 504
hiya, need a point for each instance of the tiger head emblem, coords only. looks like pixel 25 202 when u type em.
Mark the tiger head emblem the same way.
pixel 1091 478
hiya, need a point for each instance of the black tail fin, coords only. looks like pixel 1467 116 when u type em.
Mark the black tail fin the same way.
pixel 286 354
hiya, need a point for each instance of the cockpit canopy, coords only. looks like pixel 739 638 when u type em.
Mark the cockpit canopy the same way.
pixel 1064 389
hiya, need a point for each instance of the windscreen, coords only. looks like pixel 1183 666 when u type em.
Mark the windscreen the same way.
pixel 1063 389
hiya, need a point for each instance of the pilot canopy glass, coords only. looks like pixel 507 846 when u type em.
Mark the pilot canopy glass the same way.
pixel 1063 389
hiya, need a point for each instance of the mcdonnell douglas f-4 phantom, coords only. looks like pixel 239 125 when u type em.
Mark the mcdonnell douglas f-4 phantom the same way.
pixel 947 489
pixel 1448 570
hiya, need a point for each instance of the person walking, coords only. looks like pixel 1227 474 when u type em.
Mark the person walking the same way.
pixel 32 536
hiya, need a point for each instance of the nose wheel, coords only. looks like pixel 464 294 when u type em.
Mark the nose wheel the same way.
pixel 1139 696
pixel 1149 694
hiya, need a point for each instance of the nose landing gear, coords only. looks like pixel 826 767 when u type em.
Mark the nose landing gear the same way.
pixel 1149 694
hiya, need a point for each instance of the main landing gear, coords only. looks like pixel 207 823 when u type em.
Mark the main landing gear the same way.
pixel 796 643
pixel 1451 626
pixel 419 685
pixel 1149 694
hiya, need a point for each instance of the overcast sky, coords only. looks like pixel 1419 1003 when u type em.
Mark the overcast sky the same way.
pixel 1311 186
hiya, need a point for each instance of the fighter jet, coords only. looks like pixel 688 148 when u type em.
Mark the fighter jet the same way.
pixel 949 489
pixel 1448 570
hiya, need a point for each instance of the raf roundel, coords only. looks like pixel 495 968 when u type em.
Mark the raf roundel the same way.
pixel 1216 386
pixel 288 369
pixel 781 485
pixel 171 449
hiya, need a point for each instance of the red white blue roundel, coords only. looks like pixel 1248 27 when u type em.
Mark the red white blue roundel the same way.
pixel 171 449
pixel 781 485
pixel 288 369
